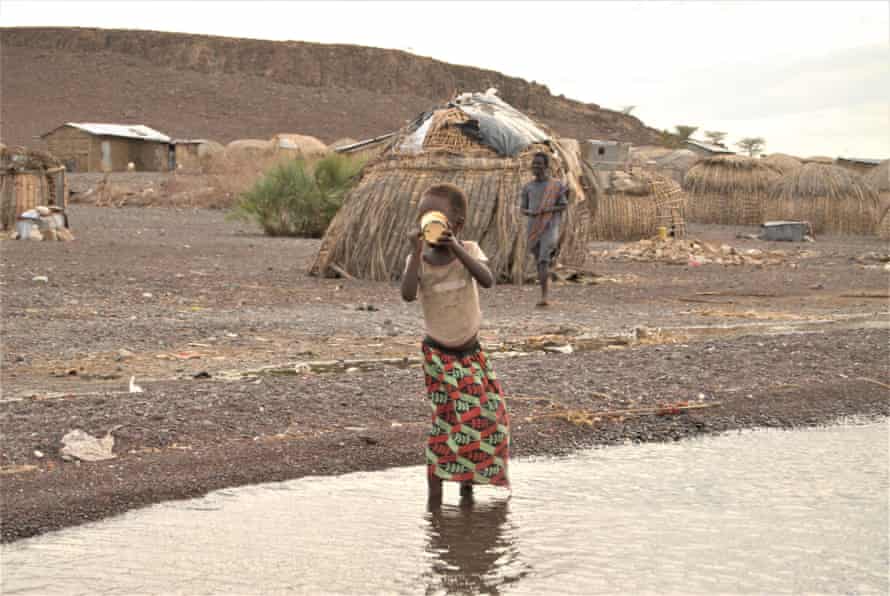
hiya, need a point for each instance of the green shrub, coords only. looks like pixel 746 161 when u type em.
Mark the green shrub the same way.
pixel 297 198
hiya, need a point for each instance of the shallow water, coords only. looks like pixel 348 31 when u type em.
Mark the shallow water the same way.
pixel 754 512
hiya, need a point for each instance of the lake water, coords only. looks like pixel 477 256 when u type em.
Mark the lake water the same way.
pixel 752 512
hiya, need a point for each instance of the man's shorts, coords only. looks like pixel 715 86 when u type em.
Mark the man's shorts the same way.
pixel 546 247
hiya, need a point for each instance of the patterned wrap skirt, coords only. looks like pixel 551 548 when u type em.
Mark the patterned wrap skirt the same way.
pixel 470 436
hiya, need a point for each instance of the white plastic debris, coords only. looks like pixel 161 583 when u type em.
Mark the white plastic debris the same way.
pixel 85 447
pixel 134 388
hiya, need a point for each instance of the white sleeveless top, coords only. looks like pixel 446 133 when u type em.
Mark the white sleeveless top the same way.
pixel 450 299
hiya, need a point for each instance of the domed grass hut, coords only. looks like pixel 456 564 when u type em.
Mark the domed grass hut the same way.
pixel 477 142
pixel 832 199
pixel 879 180
pixel 728 189
pixel 782 162
pixel 634 204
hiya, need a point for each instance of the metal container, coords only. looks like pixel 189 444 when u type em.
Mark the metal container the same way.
pixel 432 224
pixel 785 231
pixel 24 227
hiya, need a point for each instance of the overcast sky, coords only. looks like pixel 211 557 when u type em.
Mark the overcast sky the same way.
pixel 812 78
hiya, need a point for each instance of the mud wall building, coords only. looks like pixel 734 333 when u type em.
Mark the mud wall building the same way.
pixel 93 147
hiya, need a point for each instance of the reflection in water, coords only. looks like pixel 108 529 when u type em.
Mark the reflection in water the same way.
pixel 474 548
pixel 748 513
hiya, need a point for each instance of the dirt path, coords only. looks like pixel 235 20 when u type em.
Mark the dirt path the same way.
pixel 163 295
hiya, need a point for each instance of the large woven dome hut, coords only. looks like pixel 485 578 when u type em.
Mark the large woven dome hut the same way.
pixel 832 199
pixel 728 189
pixel 783 162
pixel 879 180
pixel 477 142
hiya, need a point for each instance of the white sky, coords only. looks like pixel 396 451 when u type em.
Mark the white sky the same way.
pixel 810 77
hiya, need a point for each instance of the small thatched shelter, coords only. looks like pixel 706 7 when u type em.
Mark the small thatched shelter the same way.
pixel 29 178
pixel 782 162
pixel 477 142
pixel 879 180
pixel 634 204
pixel 728 189
pixel 832 199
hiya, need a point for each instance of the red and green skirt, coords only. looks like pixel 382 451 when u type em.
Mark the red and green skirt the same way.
pixel 470 437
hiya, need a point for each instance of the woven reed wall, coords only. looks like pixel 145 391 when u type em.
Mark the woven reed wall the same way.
pixel 729 208
pixel 827 215
pixel 367 237
pixel 620 216
pixel 19 192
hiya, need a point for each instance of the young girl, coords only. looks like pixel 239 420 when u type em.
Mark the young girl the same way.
pixel 470 437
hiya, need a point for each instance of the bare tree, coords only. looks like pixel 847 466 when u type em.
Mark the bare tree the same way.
pixel 716 137
pixel 753 145
pixel 626 110
pixel 684 131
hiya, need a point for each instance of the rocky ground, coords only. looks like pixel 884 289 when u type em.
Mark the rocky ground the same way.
pixel 194 306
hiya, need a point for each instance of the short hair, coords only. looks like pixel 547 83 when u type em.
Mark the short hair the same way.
pixel 543 156
pixel 455 196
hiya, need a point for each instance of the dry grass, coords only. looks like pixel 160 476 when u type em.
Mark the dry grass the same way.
pixel 728 189
pixel 783 163
pixel 831 198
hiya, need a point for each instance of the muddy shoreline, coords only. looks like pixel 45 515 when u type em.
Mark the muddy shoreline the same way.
pixel 178 441
pixel 182 298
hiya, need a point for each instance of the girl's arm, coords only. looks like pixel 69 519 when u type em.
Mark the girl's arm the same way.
pixel 480 272
pixel 411 277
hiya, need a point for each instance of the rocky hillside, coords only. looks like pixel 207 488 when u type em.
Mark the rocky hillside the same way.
pixel 225 88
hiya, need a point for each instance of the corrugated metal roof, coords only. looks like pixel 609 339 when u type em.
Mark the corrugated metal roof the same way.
pixel 708 146
pixel 127 131
pixel 863 160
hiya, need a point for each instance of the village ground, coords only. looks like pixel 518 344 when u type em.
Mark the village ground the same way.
pixel 194 305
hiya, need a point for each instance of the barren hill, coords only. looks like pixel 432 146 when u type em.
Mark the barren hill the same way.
pixel 226 88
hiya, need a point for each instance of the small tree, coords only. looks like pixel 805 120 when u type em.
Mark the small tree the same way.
pixel 626 110
pixel 669 139
pixel 684 131
pixel 753 145
pixel 716 137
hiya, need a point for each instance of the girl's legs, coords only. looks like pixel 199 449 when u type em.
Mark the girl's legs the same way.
pixel 434 484
pixel 466 491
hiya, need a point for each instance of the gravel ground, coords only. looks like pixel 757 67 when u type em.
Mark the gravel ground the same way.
pixel 163 294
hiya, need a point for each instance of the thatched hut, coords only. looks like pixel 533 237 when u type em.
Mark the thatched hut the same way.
pixel 633 205
pixel 879 180
pixel 728 189
pixel 782 162
pixel 477 142
pixel 832 199
pixel 298 146
pixel 29 178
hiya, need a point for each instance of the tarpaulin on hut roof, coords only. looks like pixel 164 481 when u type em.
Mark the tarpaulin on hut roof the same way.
pixel 493 122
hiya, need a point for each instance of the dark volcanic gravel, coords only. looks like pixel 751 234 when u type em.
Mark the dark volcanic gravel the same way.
pixel 181 292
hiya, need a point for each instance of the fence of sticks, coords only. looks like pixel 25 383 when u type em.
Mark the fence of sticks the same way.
pixel 832 199
pixel 367 237
pixel 728 189
pixel 879 180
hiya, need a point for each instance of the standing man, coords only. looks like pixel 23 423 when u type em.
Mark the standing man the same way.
pixel 543 201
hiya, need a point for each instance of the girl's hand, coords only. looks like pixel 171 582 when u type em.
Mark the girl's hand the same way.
pixel 415 239
pixel 447 240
